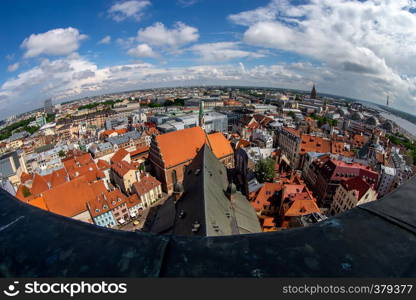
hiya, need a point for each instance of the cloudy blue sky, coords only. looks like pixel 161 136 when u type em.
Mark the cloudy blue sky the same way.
pixel 69 49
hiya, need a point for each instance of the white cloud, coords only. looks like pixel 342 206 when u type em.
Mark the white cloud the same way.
pixel 222 51
pixel 187 3
pixel 142 50
pixel 60 41
pixel 128 9
pixel 75 76
pixel 105 40
pixel 367 44
pixel 158 35
pixel 13 67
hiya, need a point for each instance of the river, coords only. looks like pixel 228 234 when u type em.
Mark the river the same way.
pixel 408 126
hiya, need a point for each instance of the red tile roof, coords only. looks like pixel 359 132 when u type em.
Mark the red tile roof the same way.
pixel 358 184
pixel 220 145
pixel 25 177
pixel 140 150
pixel 39 185
pixel 146 184
pixel 107 133
pixel 122 168
pixel 182 145
pixel 310 143
pixel 105 202
pixel 69 199
pixel 302 207
pixel 292 131
pixel 103 165
pixel 133 200
pixel 119 156
pixel 39 202
pixel 265 194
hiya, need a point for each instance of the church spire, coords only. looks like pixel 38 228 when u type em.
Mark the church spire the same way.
pixel 201 115
pixel 313 92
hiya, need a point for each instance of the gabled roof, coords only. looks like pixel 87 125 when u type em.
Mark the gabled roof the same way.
pixel 39 202
pixel 242 144
pixel 39 185
pixel 103 165
pixel 119 156
pixel 310 143
pixel 357 184
pixel 267 191
pixel 122 168
pixel 58 177
pixel 182 145
pixel 205 199
pixel 146 184
pixel 302 207
pixel 140 150
pixel 292 131
pixel 220 145
pixel 69 199
pixel 133 200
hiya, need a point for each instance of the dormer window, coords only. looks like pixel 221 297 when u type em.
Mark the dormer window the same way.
pixel 105 207
pixel 97 210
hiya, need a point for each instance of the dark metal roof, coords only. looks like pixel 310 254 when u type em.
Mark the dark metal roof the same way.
pixel 374 240
pixel 204 208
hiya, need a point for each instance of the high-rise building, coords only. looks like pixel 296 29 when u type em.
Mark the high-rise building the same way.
pixel 48 106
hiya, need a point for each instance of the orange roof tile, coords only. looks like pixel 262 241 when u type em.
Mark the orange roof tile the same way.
pixel 103 165
pixel 265 194
pixel 39 185
pixel 302 207
pixel 269 222
pixel 220 145
pixel 39 202
pixel 133 200
pixel 121 168
pixel 20 194
pixel 119 155
pixel 69 199
pixel 292 131
pixel 146 184
pixel 58 177
pixel 311 143
pixel 242 144
pixel 182 145
pixel 140 150
pixel 25 177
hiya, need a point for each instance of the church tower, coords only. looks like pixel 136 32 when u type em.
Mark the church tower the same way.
pixel 201 115
pixel 313 92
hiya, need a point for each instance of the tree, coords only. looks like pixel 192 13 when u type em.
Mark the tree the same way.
pixel 291 114
pixel 265 169
pixel 61 153
pixel 26 192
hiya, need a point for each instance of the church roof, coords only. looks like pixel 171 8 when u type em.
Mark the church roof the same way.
pixel 182 145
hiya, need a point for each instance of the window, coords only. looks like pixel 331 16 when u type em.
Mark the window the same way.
pixel 174 177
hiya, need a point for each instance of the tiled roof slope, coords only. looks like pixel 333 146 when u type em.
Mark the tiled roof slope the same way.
pixel 183 145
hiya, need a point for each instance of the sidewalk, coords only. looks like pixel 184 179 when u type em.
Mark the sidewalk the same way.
pixel 142 215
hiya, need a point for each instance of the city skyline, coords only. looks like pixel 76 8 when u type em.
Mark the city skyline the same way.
pixel 68 50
